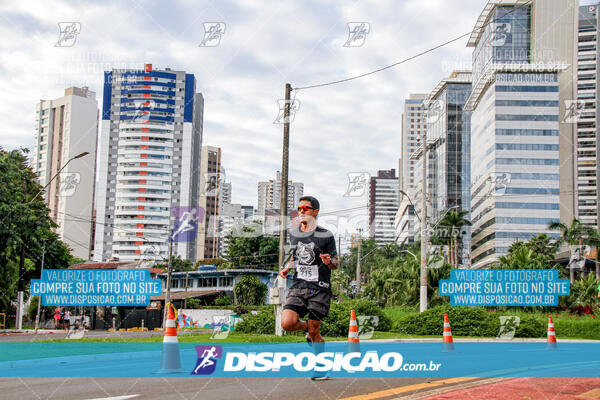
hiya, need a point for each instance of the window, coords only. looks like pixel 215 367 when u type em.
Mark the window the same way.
pixel 226 281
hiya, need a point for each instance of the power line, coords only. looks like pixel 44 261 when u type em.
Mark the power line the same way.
pixel 411 57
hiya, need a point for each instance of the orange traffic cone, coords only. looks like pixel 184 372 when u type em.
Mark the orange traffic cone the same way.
pixel 551 341
pixel 170 361
pixel 353 342
pixel 447 342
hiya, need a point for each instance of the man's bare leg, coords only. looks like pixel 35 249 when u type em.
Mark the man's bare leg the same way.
pixel 318 344
pixel 290 321
pixel 314 331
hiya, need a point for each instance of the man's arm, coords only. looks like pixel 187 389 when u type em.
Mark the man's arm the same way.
pixel 284 272
pixel 331 262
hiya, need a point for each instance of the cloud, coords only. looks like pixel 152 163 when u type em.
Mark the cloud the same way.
pixel 353 126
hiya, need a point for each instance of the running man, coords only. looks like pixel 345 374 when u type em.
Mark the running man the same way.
pixel 316 255
pixel 186 222
pixel 207 361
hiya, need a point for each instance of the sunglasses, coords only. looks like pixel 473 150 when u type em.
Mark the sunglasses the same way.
pixel 305 208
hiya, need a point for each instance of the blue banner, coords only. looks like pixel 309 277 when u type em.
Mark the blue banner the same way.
pixel 375 359
pixel 504 287
pixel 95 287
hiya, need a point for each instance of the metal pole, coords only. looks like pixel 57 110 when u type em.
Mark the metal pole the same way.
pixel 187 274
pixel 358 262
pixel 283 204
pixel 37 315
pixel 168 289
pixel 423 292
pixel 20 288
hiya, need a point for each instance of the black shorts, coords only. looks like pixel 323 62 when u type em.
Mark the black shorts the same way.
pixel 312 301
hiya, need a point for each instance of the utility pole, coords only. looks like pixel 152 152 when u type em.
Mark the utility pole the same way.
pixel 37 315
pixel 358 262
pixel 168 289
pixel 283 205
pixel 21 287
pixel 423 293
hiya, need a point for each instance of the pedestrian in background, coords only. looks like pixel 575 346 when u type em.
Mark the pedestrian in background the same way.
pixel 56 318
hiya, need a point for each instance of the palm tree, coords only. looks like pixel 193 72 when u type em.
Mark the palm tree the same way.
pixel 454 220
pixel 576 234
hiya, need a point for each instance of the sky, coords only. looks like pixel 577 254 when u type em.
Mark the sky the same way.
pixel 339 129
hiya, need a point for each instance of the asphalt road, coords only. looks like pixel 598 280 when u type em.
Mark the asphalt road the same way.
pixel 209 388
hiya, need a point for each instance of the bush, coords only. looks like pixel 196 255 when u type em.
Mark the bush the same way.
pixel 261 323
pixel 338 320
pixel 223 301
pixel 464 322
pixel 575 327
pixel 532 326
pixel 249 291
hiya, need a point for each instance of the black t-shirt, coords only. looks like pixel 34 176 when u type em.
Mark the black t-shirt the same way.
pixel 307 247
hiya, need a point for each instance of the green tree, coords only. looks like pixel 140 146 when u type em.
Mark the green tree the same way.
pixel 179 264
pixel 396 282
pixel 24 224
pixel 250 291
pixel 522 257
pixel 253 250
pixel 576 234
pixel 453 221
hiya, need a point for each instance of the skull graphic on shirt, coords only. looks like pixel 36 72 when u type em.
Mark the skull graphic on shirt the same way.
pixel 305 253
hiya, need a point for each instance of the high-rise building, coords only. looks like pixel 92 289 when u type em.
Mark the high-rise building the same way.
pixel 449 144
pixel 414 124
pixel 584 112
pixel 225 193
pixel 230 215
pixel 383 204
pixel 210 189
pixel 148 163
pixel 522 160
pixel 224 215
pixel 248 213
pixel 66 127
pixel 404 222
pixel 269 194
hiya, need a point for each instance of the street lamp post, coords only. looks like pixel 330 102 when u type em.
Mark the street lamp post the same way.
pixel 423 291
pixel 20 291
pixel 37 315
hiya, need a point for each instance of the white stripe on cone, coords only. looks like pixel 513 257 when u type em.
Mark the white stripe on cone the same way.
pixel 170 339
pixel 447 333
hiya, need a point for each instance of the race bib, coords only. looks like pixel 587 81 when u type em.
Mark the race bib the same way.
pixel 308 273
